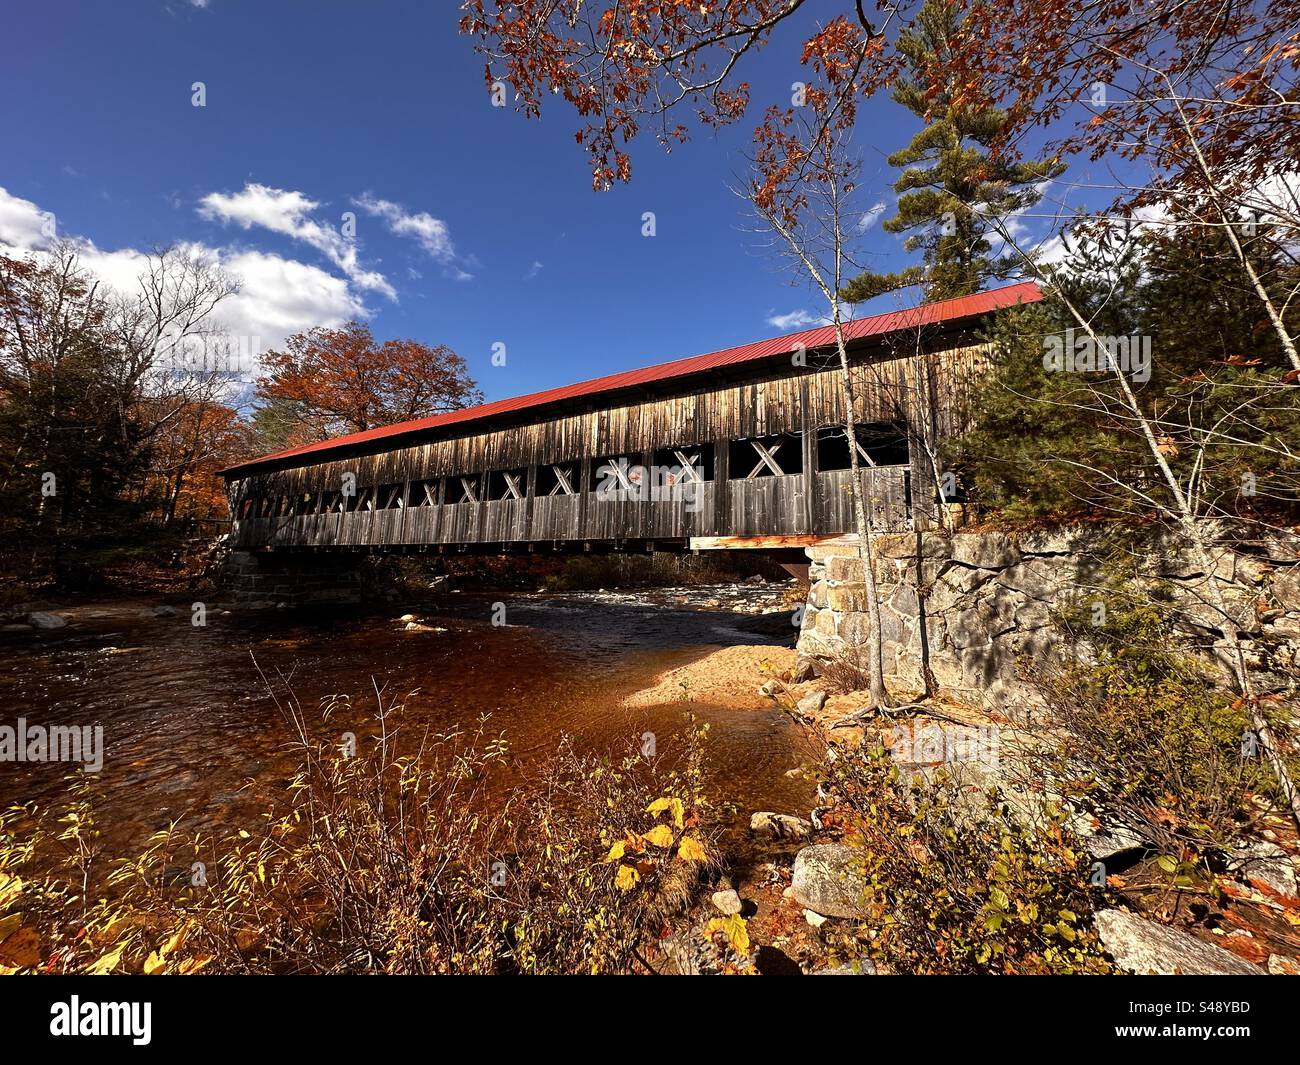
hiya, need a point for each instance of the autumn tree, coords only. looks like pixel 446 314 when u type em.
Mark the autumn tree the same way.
pixel 70 441
pixel 637 64
pixel 195 442
pixel 328 381
pixel 950 183
pixel 1197 98
pixel 90 380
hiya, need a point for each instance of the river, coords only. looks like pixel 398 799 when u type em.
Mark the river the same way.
pixel 191 732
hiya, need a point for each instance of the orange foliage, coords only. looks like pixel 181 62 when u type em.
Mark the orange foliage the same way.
pixel 340 380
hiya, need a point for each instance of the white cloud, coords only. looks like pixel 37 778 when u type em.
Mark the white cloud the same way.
pixel 797 319
pixel 23 225
pixel 431 234
pixel 870 216
pixel 278 296
pixel 533 270
pixel 288 212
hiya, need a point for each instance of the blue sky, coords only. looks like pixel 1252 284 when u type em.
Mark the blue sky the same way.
pixel 475 226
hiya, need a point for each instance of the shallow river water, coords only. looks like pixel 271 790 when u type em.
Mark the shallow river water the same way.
pixel 191 731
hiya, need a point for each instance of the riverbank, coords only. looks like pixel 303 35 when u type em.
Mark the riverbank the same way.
pixel 195 737
pixel 807 887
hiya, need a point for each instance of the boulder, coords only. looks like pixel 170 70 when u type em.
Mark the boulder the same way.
pixel 1110 841
pixel 911 545
pixel 42 620
pixel 1280 965
pixel 779 826
pixel 804 669
pixel 1286 589
pixel 861 967
pixel 1035 578
pixel 811 703
pixel 1267 863
pixel 828 880
pixel 726 902
pixel 1145 948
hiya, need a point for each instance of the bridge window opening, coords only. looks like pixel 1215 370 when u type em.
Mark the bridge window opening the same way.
pixel 767 456
pixel 463 488
pixel 245 509
pixel 507 484
pixel 683 465
pixel 365 499
pixel 331 501
pixel 879 444
pixel 616 476
pixel 303 504
pixel 391 496
pixel 424 493
pixel 281 507
pixel 561 480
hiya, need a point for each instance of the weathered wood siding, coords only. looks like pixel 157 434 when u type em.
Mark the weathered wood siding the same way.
pixel 903 390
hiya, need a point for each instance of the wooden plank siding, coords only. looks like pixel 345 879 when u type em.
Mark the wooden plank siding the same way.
pixel 780 399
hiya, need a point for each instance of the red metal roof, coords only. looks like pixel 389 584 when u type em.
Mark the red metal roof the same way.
pixel 942 311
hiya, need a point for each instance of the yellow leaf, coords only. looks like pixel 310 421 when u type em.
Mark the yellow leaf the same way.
pixel 734 928
pixel 690 850
pixel 10 888
pixel 616 852
pixel 153 964
pixel 658 806
pixel 178 937
pixel 627 878
pixel 660 836
pixel 107 963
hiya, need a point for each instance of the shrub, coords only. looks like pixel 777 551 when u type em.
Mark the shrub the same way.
pixel 954 883
pixel 1147 737
pixel 397 859
pixel 846 670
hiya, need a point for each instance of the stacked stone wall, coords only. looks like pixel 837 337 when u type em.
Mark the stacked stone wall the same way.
pixel 982 610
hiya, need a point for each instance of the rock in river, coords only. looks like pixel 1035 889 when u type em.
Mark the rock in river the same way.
pixel 46 621
pixel 780 826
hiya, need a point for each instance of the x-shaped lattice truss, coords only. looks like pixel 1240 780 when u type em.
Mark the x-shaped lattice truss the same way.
pixel 563 481
pixel 766 459
pixel 513 491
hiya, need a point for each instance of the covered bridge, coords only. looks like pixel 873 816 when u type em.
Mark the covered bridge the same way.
pixel 741 447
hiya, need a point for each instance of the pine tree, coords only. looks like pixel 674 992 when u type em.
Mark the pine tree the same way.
pixel 951 182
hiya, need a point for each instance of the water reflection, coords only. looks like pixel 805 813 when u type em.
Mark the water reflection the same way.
pixel 192 733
